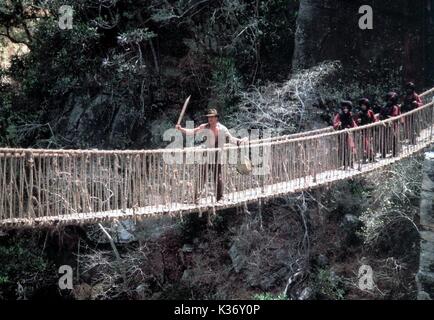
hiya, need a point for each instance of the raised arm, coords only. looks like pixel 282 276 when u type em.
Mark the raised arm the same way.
pixel 190 132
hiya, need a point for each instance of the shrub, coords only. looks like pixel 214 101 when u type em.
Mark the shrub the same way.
pixel 22 263
pixel 329 285
pixel 269 296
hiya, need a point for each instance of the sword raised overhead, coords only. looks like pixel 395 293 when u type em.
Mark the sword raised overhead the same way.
pixel 184 107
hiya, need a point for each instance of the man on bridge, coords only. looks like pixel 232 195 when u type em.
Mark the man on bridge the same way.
pixel 216 136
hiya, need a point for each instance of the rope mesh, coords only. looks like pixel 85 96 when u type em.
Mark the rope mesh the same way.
pixel 51 187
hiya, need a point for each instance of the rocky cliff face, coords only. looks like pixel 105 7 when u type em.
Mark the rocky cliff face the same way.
pixel 7 50
pixel 425 276
pixel 329 30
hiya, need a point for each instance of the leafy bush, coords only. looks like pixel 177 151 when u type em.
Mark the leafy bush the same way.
pixel 19 262
pixel 269 296
pixel 22 264
pixel 329 285
pixel 226 82
pixel 137 58
pixel 4 279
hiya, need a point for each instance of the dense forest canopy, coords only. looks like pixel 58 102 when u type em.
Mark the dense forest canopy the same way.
pixel 116 78
pixel 125 64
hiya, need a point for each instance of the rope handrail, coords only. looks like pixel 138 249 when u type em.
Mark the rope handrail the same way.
pixel 318 131
pixel 49 186
pixel 200 149
pixel 423 94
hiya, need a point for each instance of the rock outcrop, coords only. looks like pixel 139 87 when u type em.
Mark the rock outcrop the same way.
pixel 425 276
pixel 329 30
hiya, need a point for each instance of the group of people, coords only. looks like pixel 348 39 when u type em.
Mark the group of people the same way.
pixel 346 119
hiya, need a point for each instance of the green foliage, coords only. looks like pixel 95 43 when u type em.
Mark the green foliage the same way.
pixel 19 262
pixel 329 285
pixel 136 36
pixel 145 55
pixel 269 296
pixel 54 73
pixel 226 82
pixel 357 188
pixel 24 263
pixel 12 122
pixel 163 15
pixel 3 280
pixel 352 85
pixel 277 23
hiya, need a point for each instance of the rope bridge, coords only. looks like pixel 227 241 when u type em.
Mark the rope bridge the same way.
pixel 51 187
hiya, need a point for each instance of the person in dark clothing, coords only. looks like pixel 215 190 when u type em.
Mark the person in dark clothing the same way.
pixel 364 117
pixel 344 120
pixel 376 108
pixel 392 108
pixel 411 101
pixel 390 133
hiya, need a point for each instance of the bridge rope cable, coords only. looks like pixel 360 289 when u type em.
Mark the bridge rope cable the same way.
pixel 49 187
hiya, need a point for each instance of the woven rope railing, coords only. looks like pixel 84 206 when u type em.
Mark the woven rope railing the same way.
pixel 426 95
pixel 51 187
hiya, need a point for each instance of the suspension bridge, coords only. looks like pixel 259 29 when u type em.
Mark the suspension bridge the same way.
pixel 41 187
